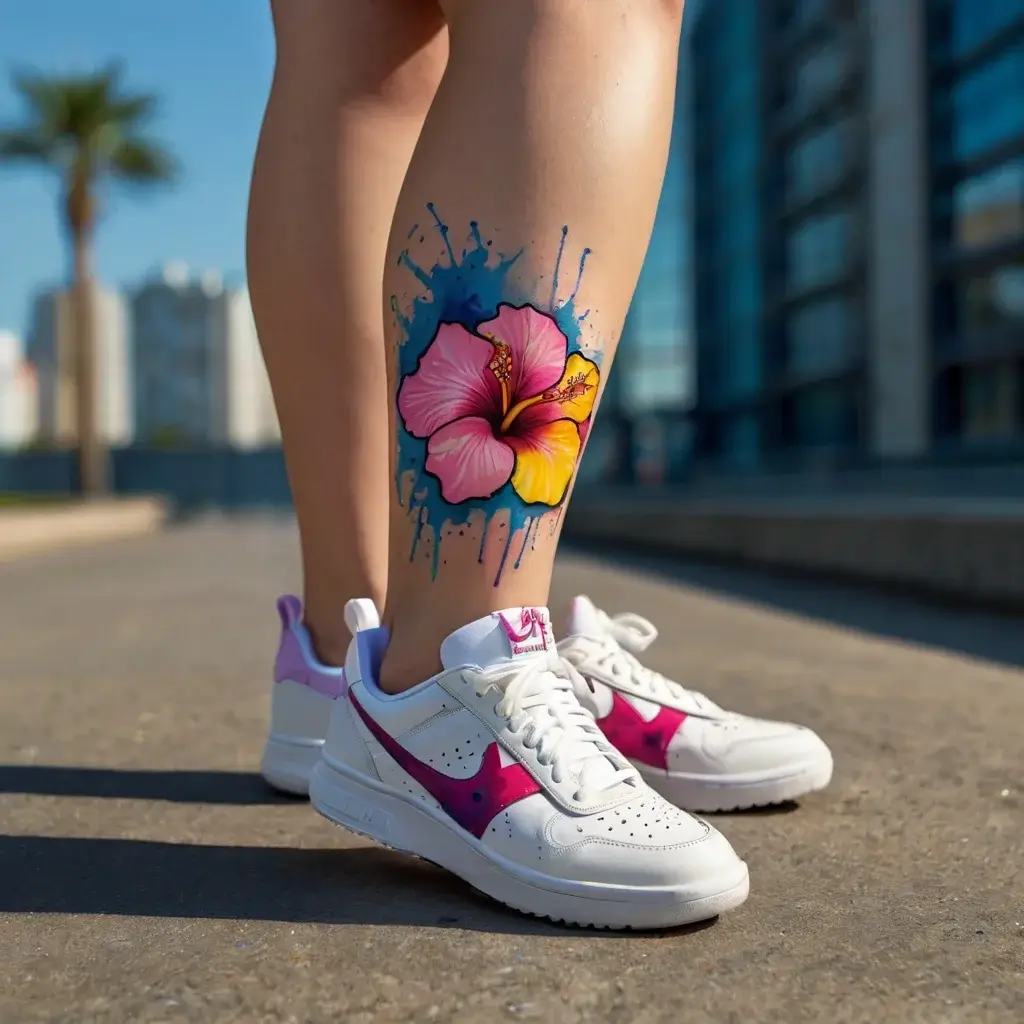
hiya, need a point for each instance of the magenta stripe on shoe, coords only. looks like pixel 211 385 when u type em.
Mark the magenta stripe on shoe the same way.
pixel 471 802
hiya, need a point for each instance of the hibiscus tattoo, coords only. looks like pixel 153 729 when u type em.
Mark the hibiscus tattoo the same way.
pixel 504 403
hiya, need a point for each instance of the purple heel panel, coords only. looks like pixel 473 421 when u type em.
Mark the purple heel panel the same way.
pixel 293 665
pixel 289 607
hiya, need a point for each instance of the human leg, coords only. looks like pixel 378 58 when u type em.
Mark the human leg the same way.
pixel 352 84
pixel 551 124
pixel 516 246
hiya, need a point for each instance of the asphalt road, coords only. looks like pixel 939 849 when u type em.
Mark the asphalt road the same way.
pixel 147 875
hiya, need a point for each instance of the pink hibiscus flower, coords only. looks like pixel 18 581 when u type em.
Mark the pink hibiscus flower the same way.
pixel 505 402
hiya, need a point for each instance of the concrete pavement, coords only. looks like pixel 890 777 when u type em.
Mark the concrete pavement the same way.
pixel 147 875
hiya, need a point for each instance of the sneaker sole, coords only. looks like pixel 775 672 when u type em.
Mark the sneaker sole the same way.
pixel 705 794
pixel 369 808
pixel 288 762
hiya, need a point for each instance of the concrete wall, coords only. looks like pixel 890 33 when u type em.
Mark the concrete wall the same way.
pixel 972 551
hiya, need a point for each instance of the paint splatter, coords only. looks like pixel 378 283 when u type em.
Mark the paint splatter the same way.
pixel 467 289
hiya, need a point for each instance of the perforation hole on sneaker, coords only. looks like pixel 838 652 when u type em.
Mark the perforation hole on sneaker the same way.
pixel 640 821
pixel 420 794
pixel 458 754
pixel 464 756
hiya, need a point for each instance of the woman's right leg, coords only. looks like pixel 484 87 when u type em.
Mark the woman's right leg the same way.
pixel 548 135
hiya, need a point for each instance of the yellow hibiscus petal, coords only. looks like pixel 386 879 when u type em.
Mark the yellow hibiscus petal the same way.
pixel 578 388
pixel 545 459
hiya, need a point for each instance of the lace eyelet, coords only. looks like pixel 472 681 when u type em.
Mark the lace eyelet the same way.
pixel 577 796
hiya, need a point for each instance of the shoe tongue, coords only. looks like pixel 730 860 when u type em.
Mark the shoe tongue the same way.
pixel 505 637
pixel 508 637
pixel 584 618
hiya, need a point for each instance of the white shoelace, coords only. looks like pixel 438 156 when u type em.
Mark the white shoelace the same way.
pixel 630 634
pixel 538 698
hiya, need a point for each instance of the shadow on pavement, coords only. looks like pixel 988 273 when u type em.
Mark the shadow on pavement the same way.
pixel 207 787
pixel 366 885
pixel 975 632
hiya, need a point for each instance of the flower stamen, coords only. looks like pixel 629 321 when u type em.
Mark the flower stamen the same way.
pixel 501 366
pixel 575 387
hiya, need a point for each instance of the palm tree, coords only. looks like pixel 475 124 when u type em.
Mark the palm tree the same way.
pixel 91 133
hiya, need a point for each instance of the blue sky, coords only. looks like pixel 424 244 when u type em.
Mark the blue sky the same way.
pixel 210 63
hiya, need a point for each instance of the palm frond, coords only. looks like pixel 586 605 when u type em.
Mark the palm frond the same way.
pixel 25 145
pixel 43 98
pixel 142 161
pixel 87 127
pixel 132 110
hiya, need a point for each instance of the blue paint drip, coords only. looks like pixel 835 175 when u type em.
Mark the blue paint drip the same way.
pixel 558 264
pixel 474 234
pixel 422 276
pixel 579 276
pixel 466 291
pixel 443 229
pixel 530 525
pixel 504 555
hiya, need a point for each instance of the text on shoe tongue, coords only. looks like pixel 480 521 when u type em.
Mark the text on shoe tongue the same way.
pixel 528 632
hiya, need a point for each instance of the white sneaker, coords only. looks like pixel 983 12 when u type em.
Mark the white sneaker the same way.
pixel 493 770
pixel 303 693
pixel 686 747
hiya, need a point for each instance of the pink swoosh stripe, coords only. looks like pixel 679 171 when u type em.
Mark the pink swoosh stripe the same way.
pixel 637 739
pixel 473 802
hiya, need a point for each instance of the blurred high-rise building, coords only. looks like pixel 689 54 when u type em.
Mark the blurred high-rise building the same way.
pixel 51 349
pixel 858 184
pixel 199 374
pixel 976 209
pixel 19 394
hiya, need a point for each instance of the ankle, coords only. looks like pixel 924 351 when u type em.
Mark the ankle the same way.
pixel 330 640
pixel 407 664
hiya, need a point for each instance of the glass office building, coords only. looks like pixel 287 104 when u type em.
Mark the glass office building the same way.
pixel 976 71
pixel 858 177
pixel 778 186
pixel 728 279
pixel 814 323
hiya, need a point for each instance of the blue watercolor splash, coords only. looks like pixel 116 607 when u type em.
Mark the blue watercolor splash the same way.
pixel 467 290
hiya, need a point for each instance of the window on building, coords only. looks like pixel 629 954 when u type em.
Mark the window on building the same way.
pixel 741 440
pixel 820 250
pixel 975 21
pixel 993 301
pixel 820 74
pixel 819 161
pixel 988 104
pixel 785 11
pixel 825 415
pixel 822 336
pixel 989 208
pixel 656 381
pixel 991 400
